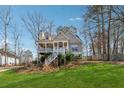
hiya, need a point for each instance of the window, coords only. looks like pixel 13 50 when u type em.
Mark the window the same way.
pixel 65 44
pixel 47 37
pixel 60 44
pixel 55 44
pixel 74 48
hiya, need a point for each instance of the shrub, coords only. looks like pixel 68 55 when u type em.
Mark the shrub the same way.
pixel 61 59
pixel 80 55
pixel 42 59
pixel 76 57
pixel 35 62
pixel 69 56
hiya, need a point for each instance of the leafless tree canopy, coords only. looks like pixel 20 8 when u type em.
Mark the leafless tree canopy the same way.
pixel 36 23
pixel 5 19
pixel 104 27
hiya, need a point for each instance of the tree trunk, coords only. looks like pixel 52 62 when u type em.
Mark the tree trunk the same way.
pixel 117 39
pixel 99 35
pixel 91 38
pixel 15 55
pixel 38 55
pixel 109 28
pixel 5 44
pixel 103 32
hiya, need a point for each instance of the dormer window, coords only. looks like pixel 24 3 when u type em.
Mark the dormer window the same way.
pixel 42 35
pixel 50 38
pixel 47 37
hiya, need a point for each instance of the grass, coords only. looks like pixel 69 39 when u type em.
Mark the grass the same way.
pixel 87 76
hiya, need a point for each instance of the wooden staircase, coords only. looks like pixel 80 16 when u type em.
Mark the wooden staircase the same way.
pixel 51 63
pixel 51 58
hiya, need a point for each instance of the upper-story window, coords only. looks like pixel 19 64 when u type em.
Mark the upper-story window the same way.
pixel 65 45
pixel 41 36
pixel 74 48
pixel 47 37
pixel 55 44
pixel 60 44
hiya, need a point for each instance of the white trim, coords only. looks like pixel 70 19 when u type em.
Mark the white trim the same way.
pixel 75 36
pixel 61 33
pixel 64 35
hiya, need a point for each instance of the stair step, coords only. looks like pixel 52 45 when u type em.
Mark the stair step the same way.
pixel 50 59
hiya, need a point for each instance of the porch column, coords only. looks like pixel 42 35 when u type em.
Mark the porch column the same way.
pixel 63 47
pixel 67 46
pixel 52 46
pixel 57 47
pixel 45 47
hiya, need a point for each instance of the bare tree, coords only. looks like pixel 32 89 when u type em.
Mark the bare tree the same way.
pixel 50 27
pixel 86 40
pixel 99 32
pixel 35 23
pixel 92 41
pixel 5 18
pixel 16 39
pixel 20 54
pixel 109 29
pixel 106 27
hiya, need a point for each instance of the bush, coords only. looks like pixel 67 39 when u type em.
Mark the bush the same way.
pixel 61 59
pixel 41 59
pixel 80 55
pixel 69 56
pixel 39 63
pixel 35 62
pixel 76 57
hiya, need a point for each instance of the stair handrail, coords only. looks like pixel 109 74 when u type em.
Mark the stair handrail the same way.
pixel 51 58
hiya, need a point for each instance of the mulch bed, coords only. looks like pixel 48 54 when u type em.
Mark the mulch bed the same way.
pixel 117 62
pixel 49 68
pixel 28 70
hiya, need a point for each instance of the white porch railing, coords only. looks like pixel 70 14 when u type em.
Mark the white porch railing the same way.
pixel 57 50
pixel 42 50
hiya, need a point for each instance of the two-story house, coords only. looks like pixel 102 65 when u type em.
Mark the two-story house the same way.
pixel 61 43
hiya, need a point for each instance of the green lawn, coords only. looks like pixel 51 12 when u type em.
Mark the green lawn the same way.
pixel 90 75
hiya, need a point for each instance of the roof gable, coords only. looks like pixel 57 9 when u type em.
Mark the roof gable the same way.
pixel 60 36
pixel 72 37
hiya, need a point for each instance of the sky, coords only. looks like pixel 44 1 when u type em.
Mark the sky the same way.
pixel 60 15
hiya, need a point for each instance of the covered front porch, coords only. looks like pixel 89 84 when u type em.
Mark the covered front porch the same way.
pixel 53 46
